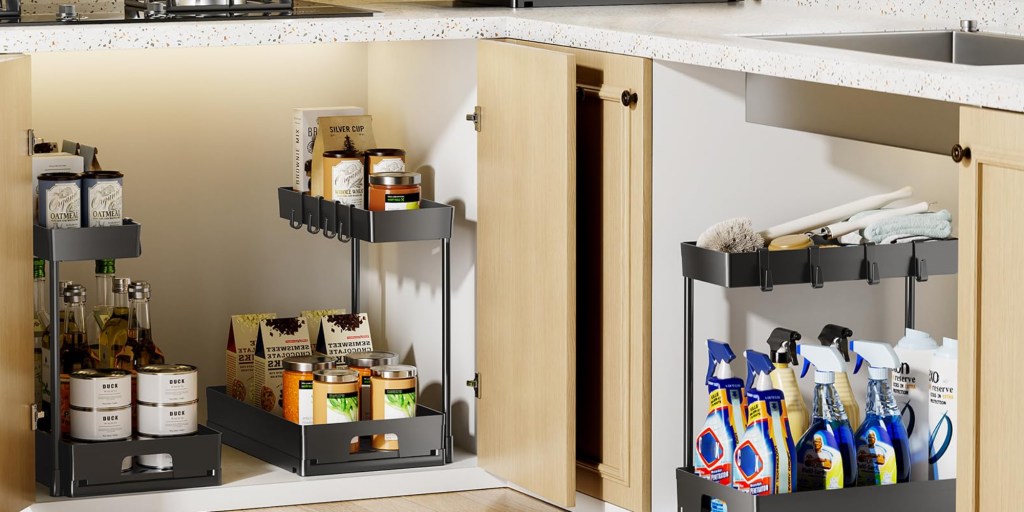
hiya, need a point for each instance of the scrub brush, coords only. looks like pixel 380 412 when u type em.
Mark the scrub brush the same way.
pixel 732 235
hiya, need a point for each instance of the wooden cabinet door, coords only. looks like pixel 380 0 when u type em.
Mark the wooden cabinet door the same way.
pixel 17 444
pixel 991 298
pixel 526 268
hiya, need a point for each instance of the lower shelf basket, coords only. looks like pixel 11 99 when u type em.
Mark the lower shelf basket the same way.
pixel 95 469
pixel 695 494
pixel 309 450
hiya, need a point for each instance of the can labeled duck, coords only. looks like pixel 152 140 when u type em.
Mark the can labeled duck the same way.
pixel 101 424
pixel 100 388
pixel 167 383
pixel 163 420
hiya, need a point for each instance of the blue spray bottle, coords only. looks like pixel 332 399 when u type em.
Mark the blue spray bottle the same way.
pixel 826 454
pixel 716 442
pixel 763 460
pixel 883 447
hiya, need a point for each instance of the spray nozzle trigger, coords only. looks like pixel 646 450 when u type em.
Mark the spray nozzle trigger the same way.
pixel 807 366
pixel 824 359
pixel 782 343
pixel 757 362
pixel 877 355
pixel 860 361
pixel 837 336
pixel 718 352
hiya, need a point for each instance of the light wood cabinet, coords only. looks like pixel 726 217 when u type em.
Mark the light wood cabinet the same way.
pixel 17 443
pixel 991 293
pixel 563 271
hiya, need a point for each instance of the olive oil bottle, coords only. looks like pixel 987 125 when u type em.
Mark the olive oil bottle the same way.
pixel 115 330
pixel 41 332
pixel 103 306
pixel 139 349
pixel 75 352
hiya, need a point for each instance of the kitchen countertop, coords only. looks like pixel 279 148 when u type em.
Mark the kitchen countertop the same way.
pixel 701 34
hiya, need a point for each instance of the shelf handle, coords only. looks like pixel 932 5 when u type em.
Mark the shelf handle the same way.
pixel 292 222
pixel 764 265
pixel 814 261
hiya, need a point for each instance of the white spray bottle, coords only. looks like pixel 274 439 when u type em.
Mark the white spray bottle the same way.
pixel 942 425
pixel 910 384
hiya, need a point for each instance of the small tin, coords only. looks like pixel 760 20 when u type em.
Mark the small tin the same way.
pixel 157 461
pixel 60 200
pixel 384 160
pixel 102 198
pixel 167 383
pixel 101 424
pixel 100 388
pixel 156 420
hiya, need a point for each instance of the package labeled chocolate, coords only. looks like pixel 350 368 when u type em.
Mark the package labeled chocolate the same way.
pixel 239 356
pixel 344 334
pixel 277 339
pixel 313 317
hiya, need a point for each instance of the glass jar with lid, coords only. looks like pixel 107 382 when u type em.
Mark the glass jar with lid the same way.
pixel 394 191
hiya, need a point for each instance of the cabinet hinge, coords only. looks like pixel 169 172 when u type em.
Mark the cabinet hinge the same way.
pixel 475 117
pixel 31 142
pixel 475 384
pixel 36 416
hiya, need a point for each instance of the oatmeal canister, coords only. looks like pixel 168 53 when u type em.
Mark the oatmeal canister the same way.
pixel 60 200
pixel 102 198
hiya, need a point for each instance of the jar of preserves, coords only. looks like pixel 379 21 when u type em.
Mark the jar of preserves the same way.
pixel 297 386
pixel 394 191
pixel 362 362
pixel 394 397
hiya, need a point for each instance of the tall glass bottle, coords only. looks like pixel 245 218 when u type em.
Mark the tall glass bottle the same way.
pixel 115 330
pixel 103 304
pixel 41 331
pixel 139 349
pixel 75 352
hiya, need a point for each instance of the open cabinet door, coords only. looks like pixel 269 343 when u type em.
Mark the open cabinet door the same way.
pixel 526 268
pixel 991 293
pixel 17 473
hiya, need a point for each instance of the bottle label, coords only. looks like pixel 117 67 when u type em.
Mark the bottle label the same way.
pixel 402 201
pixel 876 457
pixel 347 182
pixel 399 403
pixel 819 462
pixel 342 407
pixel 105 198
pixel 306 402
pixel 392 164
pixel 942 419
pixel 63 205
pixel 755 458
pixel 716 442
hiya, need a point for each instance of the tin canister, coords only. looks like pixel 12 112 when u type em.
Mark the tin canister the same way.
pixel 102 198
pixel 167 383
pixel 100 388
pixel 159 461
pixel 101 424
pixel 60 200
pixel 163 420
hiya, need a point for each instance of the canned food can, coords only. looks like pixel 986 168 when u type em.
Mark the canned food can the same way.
pixel 101 388
pixel 60 200
pixel 101 424
pixel 167 384
pixel 158 461
pixel 102 198
pixel 164 420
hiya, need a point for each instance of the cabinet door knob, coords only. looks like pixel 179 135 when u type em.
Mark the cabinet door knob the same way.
pixel 629 98
pixel 959 153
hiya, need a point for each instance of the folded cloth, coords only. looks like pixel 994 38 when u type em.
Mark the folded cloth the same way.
pixel 903 239
pixel 932 225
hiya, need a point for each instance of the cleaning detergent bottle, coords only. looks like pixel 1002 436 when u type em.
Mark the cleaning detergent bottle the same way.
pixel 910 384
pixel 716 442
pixel 782 343
pixel 942 412
pixel 763 459
pixel 838 336
pixel 826 454
pixel 883 451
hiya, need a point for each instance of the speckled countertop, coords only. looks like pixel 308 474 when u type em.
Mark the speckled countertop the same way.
pixel 701 34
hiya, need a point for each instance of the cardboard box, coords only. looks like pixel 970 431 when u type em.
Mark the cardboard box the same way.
pixel 305 127
pixel 240 352
pixel 344 334
pixel 277 340
pixel 313 317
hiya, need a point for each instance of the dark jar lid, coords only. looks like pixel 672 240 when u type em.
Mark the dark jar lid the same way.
pixel 60 176
pixel 384 152
pixel 102 175
pixel 341 153
pixel 395 178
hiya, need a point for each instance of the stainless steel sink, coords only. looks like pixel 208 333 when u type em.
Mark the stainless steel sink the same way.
pixel 970 48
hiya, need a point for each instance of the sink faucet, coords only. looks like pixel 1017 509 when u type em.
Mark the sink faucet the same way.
pixel 968 25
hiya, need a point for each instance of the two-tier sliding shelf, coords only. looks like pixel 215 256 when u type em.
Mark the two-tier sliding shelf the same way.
pixel 424 440
pixel 71 468
pixel 814 266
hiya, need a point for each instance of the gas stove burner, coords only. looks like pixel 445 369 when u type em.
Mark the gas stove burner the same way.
pixel 156 11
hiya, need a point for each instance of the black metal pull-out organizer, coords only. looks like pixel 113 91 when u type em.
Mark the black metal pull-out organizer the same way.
pixel 815 266
pixel 424 440
pixel 70 468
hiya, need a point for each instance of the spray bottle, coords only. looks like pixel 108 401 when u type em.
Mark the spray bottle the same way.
pixel 826 454
pixel 910 384
pixel 833 335
pixel 883 448
pixel 942 412
pixel 782 343
pixel 763 459
pixel 716 442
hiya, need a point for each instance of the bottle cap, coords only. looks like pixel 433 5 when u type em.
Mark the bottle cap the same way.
pixel 38 268
pixel 759 365
pixel 719 354
pixel 948 349
pixel 74 294
pixel 881 358
pixel 138 290
pixel 917 340
pixel 105 266
pixel 121 284
pixel 826 360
